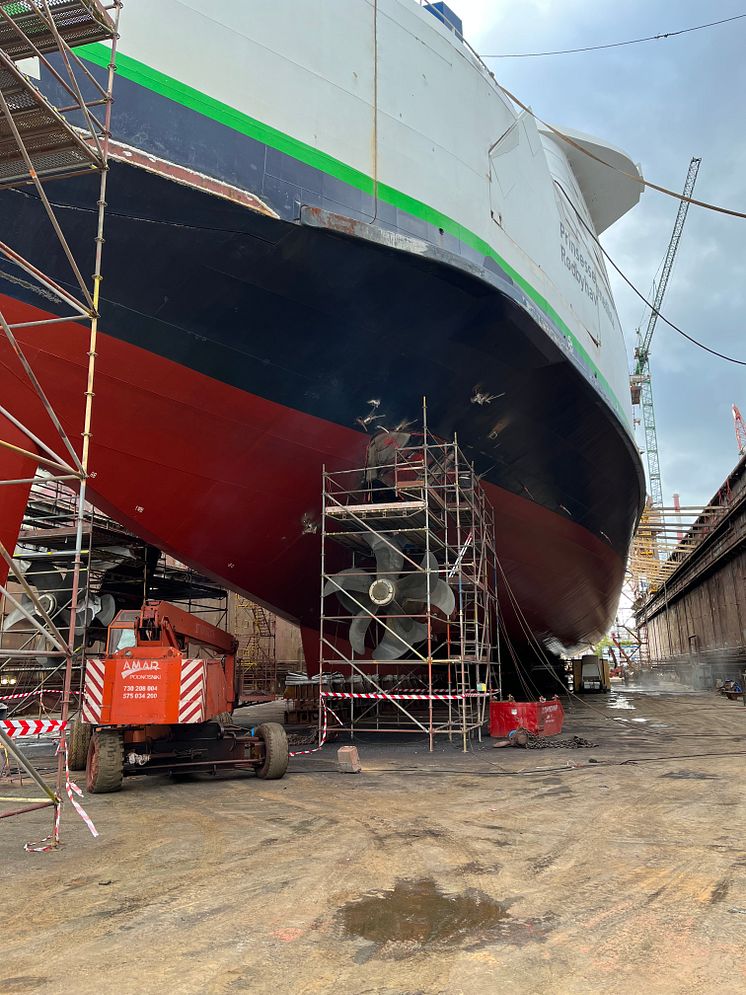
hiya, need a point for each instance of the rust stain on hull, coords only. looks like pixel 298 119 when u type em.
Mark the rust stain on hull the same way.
pixel 189 177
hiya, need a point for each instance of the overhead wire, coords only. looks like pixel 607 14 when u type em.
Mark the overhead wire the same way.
pixel 661 36
pixel 666 321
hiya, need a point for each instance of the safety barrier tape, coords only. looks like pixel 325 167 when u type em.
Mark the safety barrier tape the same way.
pixel 405 696
pixel 71 789
pixel 325 710
pixel 31 694
pixel 420 690
pixel 322 738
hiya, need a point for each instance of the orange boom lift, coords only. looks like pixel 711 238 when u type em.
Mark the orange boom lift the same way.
pixel 161 702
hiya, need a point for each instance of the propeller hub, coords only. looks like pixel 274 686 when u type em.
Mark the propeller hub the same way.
pixel 382 591
pixel 48 603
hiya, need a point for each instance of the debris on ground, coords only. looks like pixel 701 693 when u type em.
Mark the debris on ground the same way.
pixel 526 740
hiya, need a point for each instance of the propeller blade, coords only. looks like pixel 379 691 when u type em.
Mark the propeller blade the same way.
pixel 18 615
pixel 46 579
pixel 358 629
pixel 354 581
pixel 107 610
pixel 443 597
pixel 406 633
pixel 48 601
pixel 413 588
pixel 383 447
pixel 348 580
pixel 94 605
pixel 388 558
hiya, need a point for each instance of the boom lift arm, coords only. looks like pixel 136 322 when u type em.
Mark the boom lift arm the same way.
pixel 162 620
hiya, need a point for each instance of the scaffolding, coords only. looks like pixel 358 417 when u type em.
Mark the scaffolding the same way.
pixel 42 140
pixel 408 633
pixel 256 659
pixel 119 571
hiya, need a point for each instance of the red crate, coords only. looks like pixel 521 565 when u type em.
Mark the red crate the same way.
pixel 542 717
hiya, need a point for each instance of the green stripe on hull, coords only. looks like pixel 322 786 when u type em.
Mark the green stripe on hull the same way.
pixel 187 96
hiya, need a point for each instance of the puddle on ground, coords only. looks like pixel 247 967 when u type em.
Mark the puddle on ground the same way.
pixel 417 914
pixel 620 701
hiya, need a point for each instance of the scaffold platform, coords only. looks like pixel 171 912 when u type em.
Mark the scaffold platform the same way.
pixel 25 30
pixel 53 147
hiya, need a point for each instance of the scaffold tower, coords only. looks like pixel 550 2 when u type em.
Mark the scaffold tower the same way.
pixel 255 629
pixel 408 602
pixel 43 140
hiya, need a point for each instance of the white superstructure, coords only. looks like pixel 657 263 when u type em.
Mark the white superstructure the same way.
pixel 392 94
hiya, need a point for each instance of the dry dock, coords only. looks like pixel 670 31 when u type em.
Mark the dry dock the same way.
pixel 443 873
pixel 695 620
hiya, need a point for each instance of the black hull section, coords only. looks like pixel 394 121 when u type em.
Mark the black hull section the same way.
pixel 324 322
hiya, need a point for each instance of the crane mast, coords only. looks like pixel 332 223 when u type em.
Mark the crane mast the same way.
pixel 640 383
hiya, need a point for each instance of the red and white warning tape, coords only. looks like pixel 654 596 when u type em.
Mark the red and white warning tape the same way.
pixel 31 727
pixel 30 694
pixel 71 789
pixel 322 738
pixel 405 695
pixel 400 695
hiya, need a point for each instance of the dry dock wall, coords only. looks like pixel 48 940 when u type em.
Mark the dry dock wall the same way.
pixel 697 619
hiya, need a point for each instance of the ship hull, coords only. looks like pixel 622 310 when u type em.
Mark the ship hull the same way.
pixel 316 218
pixel 238 358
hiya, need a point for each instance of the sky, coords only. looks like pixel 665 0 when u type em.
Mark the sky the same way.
pixel 662 102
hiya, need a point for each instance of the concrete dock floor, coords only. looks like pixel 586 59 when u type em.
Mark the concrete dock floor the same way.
pixel 535 871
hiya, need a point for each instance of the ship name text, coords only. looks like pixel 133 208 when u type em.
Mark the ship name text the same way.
pixel 583 270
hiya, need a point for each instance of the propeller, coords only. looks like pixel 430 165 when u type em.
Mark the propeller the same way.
pixel 398 596
pixel 381 454
pixel 54 590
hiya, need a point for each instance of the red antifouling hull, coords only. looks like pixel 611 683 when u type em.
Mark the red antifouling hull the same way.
pixel 13 497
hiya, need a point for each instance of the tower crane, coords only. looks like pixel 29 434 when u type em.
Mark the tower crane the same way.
pixel 640 385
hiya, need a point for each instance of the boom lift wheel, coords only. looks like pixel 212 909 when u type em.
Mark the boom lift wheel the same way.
pixel 104 769
pixel 77 746
pixel 275 751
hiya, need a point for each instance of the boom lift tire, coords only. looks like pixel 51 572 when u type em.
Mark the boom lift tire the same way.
pixel 276 751
pixel 77 746
pixel 104 769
